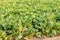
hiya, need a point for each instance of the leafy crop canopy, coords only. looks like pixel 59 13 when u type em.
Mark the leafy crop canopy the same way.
pixel 29 17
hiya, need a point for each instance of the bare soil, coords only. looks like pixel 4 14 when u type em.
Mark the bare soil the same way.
pixel 57 37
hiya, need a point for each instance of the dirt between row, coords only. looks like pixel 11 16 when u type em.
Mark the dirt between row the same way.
pixel 47 38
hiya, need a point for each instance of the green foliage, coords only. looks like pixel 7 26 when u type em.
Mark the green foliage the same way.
pixel 27 18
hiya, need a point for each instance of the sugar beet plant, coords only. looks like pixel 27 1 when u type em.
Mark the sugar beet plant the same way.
pixel 28 18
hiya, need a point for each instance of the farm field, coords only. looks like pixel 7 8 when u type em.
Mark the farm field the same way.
pixel 24 19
